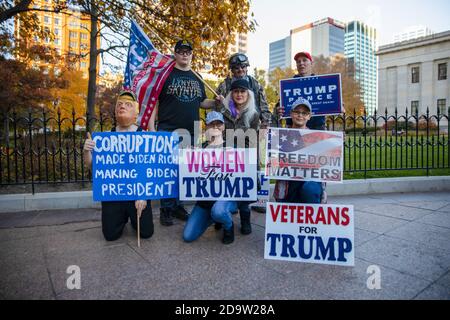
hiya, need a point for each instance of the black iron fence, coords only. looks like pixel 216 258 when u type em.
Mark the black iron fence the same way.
pixel 45 148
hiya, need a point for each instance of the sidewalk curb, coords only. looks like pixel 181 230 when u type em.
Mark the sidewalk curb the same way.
pixel 83 199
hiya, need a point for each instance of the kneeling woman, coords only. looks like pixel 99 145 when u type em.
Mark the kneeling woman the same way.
pixel 205 213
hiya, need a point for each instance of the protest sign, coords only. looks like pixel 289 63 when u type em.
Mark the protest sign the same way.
pixel 263 193
pixel 304 155
pixel 135 166
pixel 310 233
pixel 218 174
pixel 324 92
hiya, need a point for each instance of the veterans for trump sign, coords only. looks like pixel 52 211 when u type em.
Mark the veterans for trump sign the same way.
pixel 310 233
pixel 304 155
pixel 324 92
pixel 135 166
pixel 218 174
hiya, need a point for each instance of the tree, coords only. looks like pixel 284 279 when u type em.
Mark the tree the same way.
pixel 208 24
pixel 351 90
pixel 71 98
pixel 24 88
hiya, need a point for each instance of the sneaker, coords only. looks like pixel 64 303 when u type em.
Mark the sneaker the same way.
pixel 180 213
pixel 165 217
pixel 228 235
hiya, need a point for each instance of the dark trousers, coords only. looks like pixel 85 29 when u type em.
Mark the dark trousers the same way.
pixel 115 216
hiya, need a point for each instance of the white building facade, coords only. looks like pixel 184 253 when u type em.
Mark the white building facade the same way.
pixel 415 75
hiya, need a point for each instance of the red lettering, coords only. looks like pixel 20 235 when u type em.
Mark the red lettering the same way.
pixel 308 215
pixel 274 213
pixel 345 217
pixel 284 214
pixel 321 216
pixel 293 210
pixel 300 214
pixel 333 215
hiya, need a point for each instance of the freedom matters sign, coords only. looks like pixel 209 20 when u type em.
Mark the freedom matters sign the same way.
pixel 324 92
pixel 218 174
pixel 135 166
pixel 310 233
pixel 304 155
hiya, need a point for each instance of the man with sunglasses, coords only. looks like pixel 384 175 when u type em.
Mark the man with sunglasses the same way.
pixel 178 108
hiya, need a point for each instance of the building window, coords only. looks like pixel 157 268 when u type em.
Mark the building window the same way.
pixel 84 25
pixel 72 34
pixel 57 21
pixel 57 41
pixel 442 71
pixel 83 36
pixel 83 65
pixel 72 44
pixel 415 75
pixel 414 107
pixel 442 106
pixel 56 31
pixel 46 19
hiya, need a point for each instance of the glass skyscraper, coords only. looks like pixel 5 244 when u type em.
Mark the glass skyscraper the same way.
pixel 360 47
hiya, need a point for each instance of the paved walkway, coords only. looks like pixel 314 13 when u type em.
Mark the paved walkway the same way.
pixel 406 235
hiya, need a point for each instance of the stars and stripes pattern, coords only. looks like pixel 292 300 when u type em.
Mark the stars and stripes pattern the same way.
pixel 306 141
pixel 146 71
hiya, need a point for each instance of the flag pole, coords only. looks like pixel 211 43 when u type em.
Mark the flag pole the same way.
pixel 171 50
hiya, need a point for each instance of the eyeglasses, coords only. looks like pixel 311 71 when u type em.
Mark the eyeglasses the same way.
pixel 301 113
pixel 184 52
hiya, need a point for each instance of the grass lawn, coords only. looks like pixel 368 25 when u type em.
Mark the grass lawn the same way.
pixel 396 157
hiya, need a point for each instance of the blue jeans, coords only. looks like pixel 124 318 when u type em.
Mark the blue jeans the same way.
pixel 201 218
pixel 304 192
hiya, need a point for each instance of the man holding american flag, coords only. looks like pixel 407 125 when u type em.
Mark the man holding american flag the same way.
pixel 167 90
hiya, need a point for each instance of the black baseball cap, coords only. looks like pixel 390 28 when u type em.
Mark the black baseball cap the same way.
pixel 240 84
pixel 183 44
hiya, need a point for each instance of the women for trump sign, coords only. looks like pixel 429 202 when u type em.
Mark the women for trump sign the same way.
pixel 218 174
pixel 310 233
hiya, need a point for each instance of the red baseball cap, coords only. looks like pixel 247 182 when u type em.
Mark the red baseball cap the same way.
pixel 304 54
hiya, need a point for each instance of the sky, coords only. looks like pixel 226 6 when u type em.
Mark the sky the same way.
pixel 277 18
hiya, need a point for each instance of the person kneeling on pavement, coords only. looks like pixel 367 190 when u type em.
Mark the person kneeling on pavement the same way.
pixel 115 214
pixel 205 213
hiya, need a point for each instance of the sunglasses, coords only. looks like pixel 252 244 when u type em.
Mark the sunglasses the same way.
pixel 184 52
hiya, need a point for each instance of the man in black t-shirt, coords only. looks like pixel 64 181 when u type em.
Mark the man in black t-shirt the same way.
pixel 178 108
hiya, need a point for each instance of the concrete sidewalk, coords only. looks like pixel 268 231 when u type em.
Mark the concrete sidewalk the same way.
pixel 406 235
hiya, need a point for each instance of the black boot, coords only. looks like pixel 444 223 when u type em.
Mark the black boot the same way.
pixel 228 235
pixel 246 226
pixel 217 226
pixel 180 213
pixel 165 217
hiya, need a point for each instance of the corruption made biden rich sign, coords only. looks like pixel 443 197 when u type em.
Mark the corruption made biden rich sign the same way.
pixel 135 166
pixel 324 92
pixel 310 233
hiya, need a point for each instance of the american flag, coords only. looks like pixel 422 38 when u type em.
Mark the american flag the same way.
pixel 146 71
pixel 306 141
